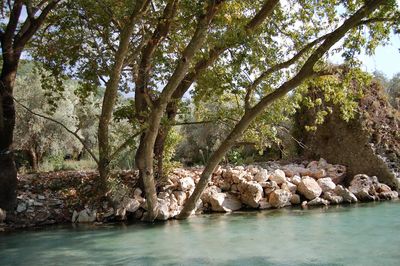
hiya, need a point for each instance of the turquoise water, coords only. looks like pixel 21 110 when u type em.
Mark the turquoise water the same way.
pixel 362 234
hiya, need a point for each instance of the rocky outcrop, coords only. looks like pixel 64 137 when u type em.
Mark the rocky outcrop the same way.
pixel 369 143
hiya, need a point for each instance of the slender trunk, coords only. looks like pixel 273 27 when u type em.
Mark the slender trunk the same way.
pixel 8 171
pixel 34 160
pixel 110 97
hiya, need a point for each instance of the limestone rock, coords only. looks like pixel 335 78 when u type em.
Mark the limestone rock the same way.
pixel 363 187
pixel 289 187
pixel 250 193
pixel 317 201
pixel 337 173
pixel 2 215
pixel 131 205
pixel 280 198
pixel 388 195
pixel 345 194
pixel 326 184
pixel 309 188
pixel 295 199
pixel 296 180
pixel 163 209
pixel 261 176
pixel 270 186
pixel 224 202
pixel 278 176
pixel 86 216
pixel 186 184
pixel 332 197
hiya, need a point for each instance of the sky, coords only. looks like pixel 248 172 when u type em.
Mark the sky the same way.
pixel 386 58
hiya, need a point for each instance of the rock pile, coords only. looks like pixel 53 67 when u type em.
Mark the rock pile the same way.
pixel 61 198
pixel 266 186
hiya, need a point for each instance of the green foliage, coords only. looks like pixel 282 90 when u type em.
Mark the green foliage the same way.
pixel 173 139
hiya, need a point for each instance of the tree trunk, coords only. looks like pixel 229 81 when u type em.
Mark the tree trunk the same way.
pixel 110 97
pixel 8 171
pixel 159 147
pixel 144 163
pixel 34 158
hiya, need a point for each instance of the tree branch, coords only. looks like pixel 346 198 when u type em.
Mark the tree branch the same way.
pixel 250 89
pixel 124 145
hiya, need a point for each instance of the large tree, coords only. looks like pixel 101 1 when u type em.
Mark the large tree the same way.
pixel 19 22
pixel 257 51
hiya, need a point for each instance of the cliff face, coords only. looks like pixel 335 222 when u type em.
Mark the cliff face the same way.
pixel 368 144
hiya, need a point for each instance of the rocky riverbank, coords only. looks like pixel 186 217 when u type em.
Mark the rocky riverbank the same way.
pixel 64 197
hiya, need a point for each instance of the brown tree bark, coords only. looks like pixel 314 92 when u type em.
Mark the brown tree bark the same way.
pixel 8 171
pixel 305 72
pixel 13 40
pixel 110 97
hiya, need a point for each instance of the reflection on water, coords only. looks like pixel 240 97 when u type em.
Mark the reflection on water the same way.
pixel 362 234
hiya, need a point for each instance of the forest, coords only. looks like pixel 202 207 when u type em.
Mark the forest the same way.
pixel 154 85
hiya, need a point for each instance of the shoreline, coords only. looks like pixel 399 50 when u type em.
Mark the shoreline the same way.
pixel 60 198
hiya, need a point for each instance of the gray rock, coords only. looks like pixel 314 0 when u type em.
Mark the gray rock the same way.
pixel 309 188
pixel 261 176
pixel 363 187
pixel 337 173
pixel 250 193
pixel 86 216
pixel 289 187
pixel 326 184
pixel 186 184
pixel 21 207
pixel 296 180
pixel 131 205
pixel 41 197
pixel 347 195
pixel 332 197
pixel 278 176
pixel 280 198
pixel 317 201
pixel 221 202
pixel 163 210
pixel 389 195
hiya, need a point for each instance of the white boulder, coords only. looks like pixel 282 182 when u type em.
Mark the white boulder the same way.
pixel 309 188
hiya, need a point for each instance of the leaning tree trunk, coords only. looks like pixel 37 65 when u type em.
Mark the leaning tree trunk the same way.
pixel 8 171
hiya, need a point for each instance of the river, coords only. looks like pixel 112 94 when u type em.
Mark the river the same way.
pixel 359 234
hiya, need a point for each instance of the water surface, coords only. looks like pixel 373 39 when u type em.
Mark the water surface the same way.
pixel 360 234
